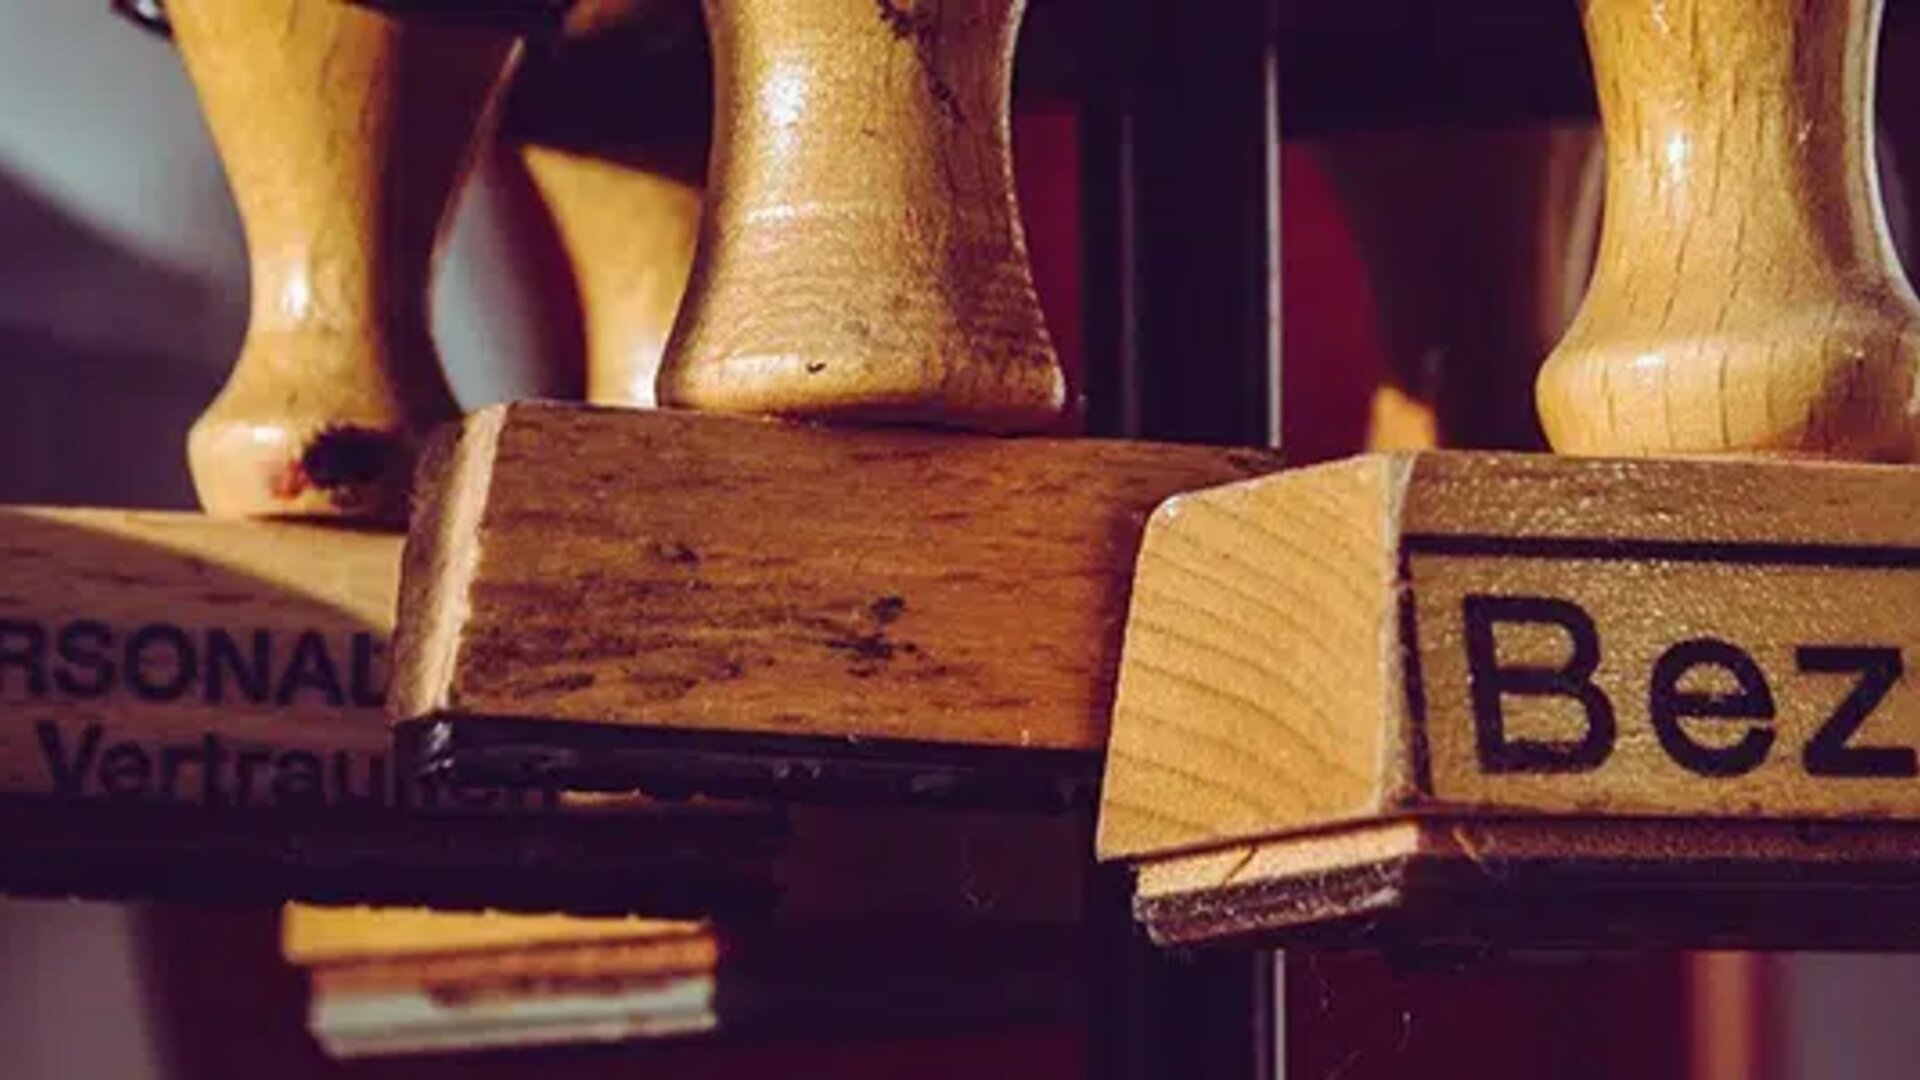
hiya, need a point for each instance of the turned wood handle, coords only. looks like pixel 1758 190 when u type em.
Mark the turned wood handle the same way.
pixel 612 123
pixel 629 231
pixel 344 133
pixel 862 254
pixel 1747 299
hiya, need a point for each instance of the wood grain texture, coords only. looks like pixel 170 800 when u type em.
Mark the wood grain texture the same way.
pixel 612 121
pixel 1248 600
pixel 1476 269
pixel 344 134
pixel 862 255
pixel 629 231
pixel 776 578
pixel 1397 636
pixel 1747 298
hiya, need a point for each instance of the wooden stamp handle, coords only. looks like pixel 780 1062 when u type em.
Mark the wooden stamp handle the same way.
pixel 612 123
pixel 1747 299
pixel 629 231
pixel 344 133
pixel 862 255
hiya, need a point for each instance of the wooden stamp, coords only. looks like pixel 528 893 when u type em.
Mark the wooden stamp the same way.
pixel 612 122
pixel 862 257
pixel 344 133
pixel 1747 298
pixel 778 608
pixel 1381 693
pixel 192 708
pixel 772 606
pixel 629 231
pixel 1483 699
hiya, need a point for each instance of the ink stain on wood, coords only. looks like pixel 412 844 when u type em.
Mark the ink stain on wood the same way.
pixel 347 457
pixel 655 687
pixel 580 680
pixel 342 461
pixel 921 27
pixel 673 551
pixel 872 650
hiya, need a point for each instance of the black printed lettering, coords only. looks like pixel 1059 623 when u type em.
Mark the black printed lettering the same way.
pixel 343 780
pixel 209 755
pixel 244 764
pixel 87 668
pixel 1831 751
pixel 161 663
pixel 23 648
pixel 68 773
pixel 297 779
pixel 1491 683
pixel 1752 701
pixel 310 668
pixel 369 680
pixel 126 771
pixel 171 758
pixel 252 673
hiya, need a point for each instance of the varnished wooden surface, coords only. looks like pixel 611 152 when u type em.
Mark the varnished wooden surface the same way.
pixel 344 134
pixel 397 980
pixel 779 579
pixel 612 122
pixel 1747 299
pixel 862 254
pixel 1298 648
pixel 1526 677
pixel 312 935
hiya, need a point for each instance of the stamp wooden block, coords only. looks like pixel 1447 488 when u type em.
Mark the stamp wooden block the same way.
pixel 409 981
pixel 1669 695
pixel 194 708
pixel 898 614
pixel 398 980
